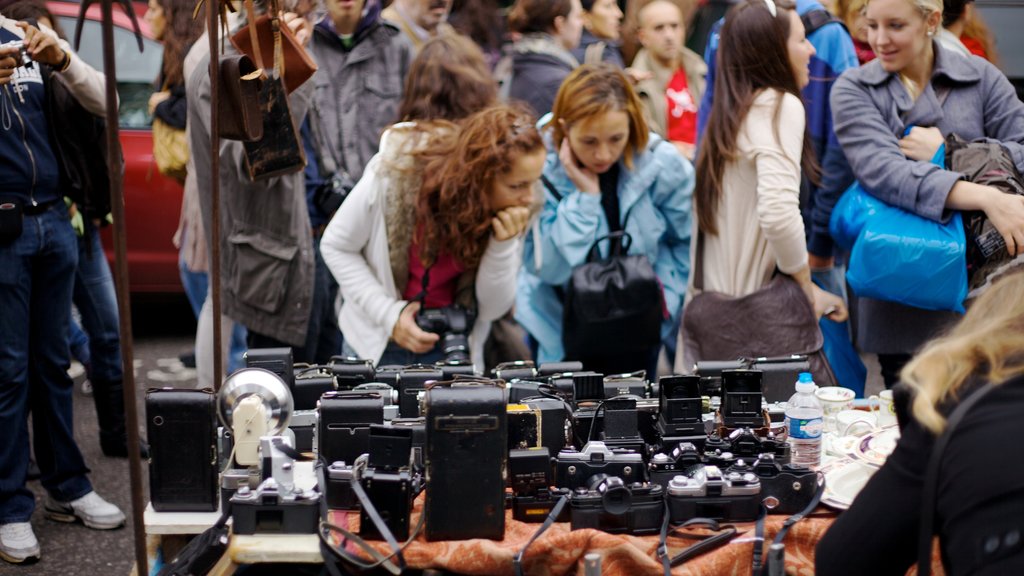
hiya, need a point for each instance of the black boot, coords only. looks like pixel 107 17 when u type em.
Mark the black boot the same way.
pixel 109 399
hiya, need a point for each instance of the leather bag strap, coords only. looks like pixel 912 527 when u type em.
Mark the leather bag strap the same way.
pixel 250 16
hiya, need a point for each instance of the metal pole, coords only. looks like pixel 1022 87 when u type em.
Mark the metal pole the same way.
pixel 213 34
pixel 121 278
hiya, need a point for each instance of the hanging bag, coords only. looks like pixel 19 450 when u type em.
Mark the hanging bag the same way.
pixel 776 320
pixel 170 150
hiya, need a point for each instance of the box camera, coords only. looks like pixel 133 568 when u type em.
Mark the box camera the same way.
pixel 515 370
pixel 683 458
pixel 785 488
pixel 611 505
pixel 22 57
pixel 390 481
pixel 343 425
pixel 387 393
pixel 680 412
pixel 533 498
pixel 708 493
pixel 412 380
pixel 452 369
pixel 329 195
pixel 310 383
pixel 277 360
pixel 350 372
pixel 453 323
pixel 573 468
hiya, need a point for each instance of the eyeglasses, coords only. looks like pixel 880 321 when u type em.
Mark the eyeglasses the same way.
pixel 770 4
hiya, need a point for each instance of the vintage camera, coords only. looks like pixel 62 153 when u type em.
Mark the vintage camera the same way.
pixel 742 401
pixel 452 369
pixel 329 195
pixel 785 488
pixel 683 458
pixel 343 424
pixel 303 425
pixel 573 468
pixel 412 381
pixel 707 492
pixel 277 506
pixel 746 444
pixel 309 384
pixel 628 384
pixel 277 360
pixel 680 412
pixel 390 481
pixel 22 56
pixel 339 477
pixel 350 372
pixel 609 504
pixel 515 370
pixel 533 497
pixel 621 426
pixel 387 393
pixel 453 323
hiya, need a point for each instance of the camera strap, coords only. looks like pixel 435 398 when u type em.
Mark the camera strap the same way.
pixel 517 560
pixel 350 561
pixel 760 568
pixel 706 544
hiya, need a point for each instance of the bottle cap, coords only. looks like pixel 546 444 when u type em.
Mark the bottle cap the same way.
pixel 805 383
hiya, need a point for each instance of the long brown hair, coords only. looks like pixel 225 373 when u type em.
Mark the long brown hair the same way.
pixel 448 80
pixel 594 89
pixel 454 208
pixel 531 16
pixel 180 32
pixel 752 56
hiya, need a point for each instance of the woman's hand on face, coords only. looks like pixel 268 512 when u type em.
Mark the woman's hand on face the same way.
pixel 922 143
pixel 510 222
pixel 585 180
pixel 410 336
pixel 1006 212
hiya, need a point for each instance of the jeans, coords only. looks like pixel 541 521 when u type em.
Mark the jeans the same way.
pixel 323 339
pixel 37 274
pixel 96 300
pixel 196 285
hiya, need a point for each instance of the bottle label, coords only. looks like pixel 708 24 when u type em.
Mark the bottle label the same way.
pixel 805 428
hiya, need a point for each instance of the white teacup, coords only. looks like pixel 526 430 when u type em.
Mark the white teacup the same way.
pixel 855 422
pixel 882 406
pixel 834 399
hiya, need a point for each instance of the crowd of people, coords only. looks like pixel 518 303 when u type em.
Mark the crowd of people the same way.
pixel 478 170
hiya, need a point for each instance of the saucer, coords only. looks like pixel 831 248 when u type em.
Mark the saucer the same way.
pixel 844 479
pixel 874 447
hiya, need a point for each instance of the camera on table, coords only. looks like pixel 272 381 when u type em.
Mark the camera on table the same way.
pixel 683 458
pixel 609 504
pixel 680 412
pixel 785 488
pixel 390 480
pixel 746 444
pixel 453 323
pixel 22 56
pixel 574 468
pixel 707 492
pixel 350 371
pixel 329 195
pixel 742 402
pixel 277 506
pixel 533 497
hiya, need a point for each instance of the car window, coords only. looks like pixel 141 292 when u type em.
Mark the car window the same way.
pixel 136 72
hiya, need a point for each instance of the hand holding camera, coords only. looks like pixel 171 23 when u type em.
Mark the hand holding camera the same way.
pixel 42 47
pixel 409 335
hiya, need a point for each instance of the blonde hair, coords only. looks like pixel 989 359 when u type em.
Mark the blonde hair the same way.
pixel 926 7
pixel 988 342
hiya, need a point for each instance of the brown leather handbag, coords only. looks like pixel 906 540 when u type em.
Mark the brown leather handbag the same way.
pixel 777 320
pixel 239 104
pixel 260 40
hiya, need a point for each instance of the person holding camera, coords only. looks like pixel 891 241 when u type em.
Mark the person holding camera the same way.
pixel 959 407
pixel 430 236
pixel 606 173
pixel 38 258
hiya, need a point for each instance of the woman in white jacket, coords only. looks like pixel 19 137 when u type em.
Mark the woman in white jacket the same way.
pixel 434 223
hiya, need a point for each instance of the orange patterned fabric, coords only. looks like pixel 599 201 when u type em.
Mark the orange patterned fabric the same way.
pixel 560 550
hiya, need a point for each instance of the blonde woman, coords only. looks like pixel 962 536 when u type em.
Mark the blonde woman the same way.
pixel 979 497
pixel 915 81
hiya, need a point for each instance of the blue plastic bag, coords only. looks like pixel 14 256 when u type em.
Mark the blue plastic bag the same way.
pixel 899 256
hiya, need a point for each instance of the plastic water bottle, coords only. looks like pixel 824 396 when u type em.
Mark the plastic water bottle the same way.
pixel 805 419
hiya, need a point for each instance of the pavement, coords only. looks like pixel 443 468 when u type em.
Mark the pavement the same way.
pixel 163 330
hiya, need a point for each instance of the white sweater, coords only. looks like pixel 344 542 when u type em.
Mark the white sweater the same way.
pixel 355 249
pixel 759 221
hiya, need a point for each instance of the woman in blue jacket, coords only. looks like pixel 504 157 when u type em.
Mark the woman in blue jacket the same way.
pixel 604 167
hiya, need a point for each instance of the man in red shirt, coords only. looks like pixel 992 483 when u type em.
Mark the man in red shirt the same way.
pixel 674 75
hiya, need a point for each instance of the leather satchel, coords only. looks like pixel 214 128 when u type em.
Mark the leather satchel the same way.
pixel 239 104
pixel 258 42
pixel 777 320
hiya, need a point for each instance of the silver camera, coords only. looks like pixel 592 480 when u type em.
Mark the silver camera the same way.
pixel 708 493
pixel 22 56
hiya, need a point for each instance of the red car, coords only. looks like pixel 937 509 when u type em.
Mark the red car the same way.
pixel 152 201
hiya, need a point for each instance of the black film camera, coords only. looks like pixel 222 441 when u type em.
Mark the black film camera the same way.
pixel 530 475
pixel 351 372
pixel 329 195
pixel 680 412
pixel 785 488
pixel 744 443
pixel 682 460
pixel 609 504
pixel 741 400
pixel 277 506
pixel 390 481
pixel 453 323
pixel 708 493
pixel 573 469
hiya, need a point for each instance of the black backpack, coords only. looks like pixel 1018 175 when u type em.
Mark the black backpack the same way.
pixel 612 308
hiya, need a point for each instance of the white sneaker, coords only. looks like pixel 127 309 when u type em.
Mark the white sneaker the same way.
pixel 18 543
pixel 86 388
pixel 93 511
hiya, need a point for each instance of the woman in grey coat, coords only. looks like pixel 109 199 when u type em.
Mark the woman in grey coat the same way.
pixel 916 82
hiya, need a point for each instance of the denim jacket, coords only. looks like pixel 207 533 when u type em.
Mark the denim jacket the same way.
pixel 656 195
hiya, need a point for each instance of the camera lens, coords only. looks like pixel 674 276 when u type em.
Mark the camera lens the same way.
pixel 616 498
pixel 455 347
